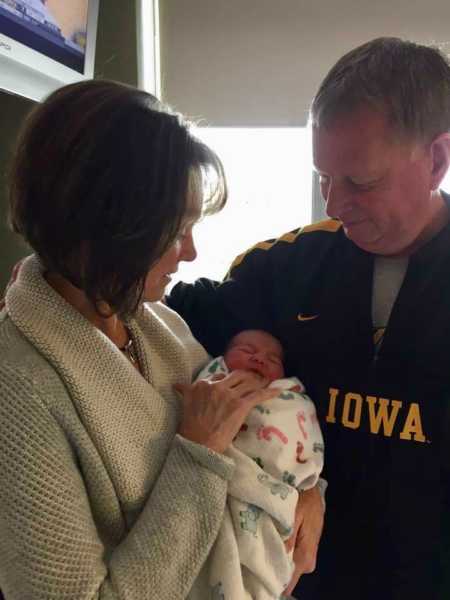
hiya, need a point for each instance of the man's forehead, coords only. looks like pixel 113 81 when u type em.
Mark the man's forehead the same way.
pixel 358 141
pixel 363 121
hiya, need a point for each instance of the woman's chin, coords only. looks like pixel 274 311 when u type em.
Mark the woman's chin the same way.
pixel 156 290
pixel 155 295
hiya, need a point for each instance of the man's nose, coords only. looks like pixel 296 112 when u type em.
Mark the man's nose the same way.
pixel 336 200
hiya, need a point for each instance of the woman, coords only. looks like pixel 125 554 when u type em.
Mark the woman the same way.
pixel 108 487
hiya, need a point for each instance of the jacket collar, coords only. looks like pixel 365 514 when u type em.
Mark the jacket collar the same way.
pixel 101 382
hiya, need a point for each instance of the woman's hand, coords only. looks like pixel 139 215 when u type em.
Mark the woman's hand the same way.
pixel 308 527
pixel 214 411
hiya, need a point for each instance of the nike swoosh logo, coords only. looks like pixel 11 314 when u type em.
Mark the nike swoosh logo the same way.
pixel 302 317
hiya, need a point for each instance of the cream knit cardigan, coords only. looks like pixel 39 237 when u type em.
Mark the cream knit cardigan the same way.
pixel 99 497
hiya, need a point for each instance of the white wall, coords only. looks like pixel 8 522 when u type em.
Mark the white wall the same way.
pixel 259 62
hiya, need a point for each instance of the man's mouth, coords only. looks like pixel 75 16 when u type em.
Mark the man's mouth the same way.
pixel 353 223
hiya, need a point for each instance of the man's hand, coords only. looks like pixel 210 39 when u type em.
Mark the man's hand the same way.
pixel 308 527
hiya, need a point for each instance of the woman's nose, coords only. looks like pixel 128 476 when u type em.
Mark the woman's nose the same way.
pixel 188 251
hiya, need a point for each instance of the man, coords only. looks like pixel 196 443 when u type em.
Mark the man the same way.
pixel 361 304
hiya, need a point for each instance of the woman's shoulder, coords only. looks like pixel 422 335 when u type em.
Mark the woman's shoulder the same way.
pixel 168 317
pixel 15 348
pixel 22 366
pixel 171 324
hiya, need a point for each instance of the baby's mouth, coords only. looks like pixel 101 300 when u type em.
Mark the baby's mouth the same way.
pixel 257 370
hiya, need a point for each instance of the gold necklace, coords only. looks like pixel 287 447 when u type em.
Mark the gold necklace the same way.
pixel 130 351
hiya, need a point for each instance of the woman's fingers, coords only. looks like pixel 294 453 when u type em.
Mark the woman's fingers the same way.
pixel 259 396
pixel 218 377
pixel 249 378
pixel 245 388
pixel 181 388
pixel 213 412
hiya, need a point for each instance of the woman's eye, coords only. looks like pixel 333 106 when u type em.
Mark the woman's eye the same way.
pixel 185 231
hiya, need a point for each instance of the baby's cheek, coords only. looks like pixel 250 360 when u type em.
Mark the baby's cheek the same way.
pixel 276 372
pixel 235 362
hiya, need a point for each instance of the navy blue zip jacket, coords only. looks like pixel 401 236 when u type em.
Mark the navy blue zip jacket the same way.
pixel 385 417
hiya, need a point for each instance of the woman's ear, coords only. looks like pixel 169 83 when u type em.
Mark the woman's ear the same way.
pixel 440 157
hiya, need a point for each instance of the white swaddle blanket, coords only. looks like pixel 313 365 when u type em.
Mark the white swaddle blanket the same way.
pixel 278 452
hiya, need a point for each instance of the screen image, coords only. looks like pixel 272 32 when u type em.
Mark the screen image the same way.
pixel 55 28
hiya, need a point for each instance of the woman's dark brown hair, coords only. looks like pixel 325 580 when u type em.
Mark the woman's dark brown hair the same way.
pixel 99 186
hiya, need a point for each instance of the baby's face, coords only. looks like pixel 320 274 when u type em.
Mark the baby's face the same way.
pixel 256 351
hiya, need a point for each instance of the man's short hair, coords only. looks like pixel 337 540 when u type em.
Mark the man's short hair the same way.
pixel 408 82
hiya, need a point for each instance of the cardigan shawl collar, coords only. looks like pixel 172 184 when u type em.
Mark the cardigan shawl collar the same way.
pixel 103 384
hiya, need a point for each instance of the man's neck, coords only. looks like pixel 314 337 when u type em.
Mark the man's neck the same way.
pixel 111 326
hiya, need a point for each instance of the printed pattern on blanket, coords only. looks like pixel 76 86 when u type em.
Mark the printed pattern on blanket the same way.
pixel 278 452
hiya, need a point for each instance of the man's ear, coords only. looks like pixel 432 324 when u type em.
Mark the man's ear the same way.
pixel 440 159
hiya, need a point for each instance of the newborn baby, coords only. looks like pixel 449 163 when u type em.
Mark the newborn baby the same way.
pixel 278 453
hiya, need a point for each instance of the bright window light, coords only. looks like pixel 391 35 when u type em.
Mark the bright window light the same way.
pixel 148 58
pixel 269 174
pixel 445 185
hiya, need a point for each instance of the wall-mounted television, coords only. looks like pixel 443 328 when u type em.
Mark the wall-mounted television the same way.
pixel 45 44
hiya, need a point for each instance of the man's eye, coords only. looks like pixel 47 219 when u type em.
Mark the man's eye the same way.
pixel 364 187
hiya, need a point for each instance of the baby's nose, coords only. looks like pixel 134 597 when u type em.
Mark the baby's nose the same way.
pixel 259 358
